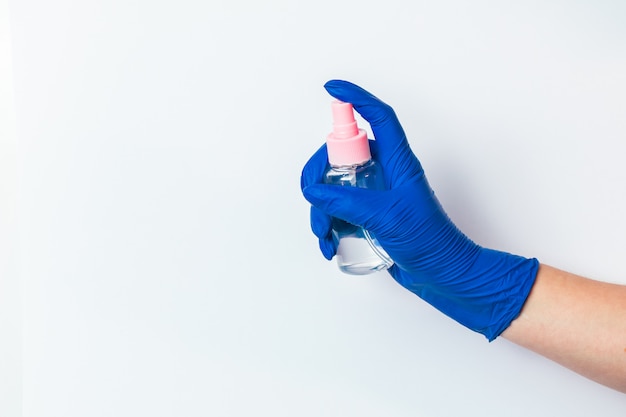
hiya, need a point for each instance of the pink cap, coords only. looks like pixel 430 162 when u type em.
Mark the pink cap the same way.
pixel 347 144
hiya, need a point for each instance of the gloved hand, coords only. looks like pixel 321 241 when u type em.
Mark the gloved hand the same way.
pixel 482 289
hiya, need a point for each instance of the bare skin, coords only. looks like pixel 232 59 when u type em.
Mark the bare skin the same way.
pixel 577 322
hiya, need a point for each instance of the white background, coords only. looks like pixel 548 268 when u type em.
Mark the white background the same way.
pixel 153 218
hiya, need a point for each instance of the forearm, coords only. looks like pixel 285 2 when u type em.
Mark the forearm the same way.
pixel 577 322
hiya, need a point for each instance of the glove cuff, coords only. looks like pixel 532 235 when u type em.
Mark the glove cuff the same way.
pixel 489 295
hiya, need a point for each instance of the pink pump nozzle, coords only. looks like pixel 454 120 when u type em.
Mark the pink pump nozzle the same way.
pixel 347 145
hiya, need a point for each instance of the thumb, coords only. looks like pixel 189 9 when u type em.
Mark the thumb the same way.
pixel 358 206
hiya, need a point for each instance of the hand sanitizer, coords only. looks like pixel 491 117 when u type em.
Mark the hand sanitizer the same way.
pixel 351 165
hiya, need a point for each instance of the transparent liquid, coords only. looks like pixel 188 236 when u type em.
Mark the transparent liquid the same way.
pixel 358 251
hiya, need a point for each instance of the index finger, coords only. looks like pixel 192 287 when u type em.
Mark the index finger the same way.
pixel 381 117
pixel 392 147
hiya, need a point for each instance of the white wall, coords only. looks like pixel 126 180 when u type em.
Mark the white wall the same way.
pixel 10 297
pixel 166 261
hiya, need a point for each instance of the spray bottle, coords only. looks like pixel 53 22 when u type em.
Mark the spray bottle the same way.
pixel 351 165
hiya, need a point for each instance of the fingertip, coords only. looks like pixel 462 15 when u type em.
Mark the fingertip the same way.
pixel 374 110
pixel 335 84
pixel 313 194
pixel 321 223
pixel 330 84
pixel 345 90
pixel 327 246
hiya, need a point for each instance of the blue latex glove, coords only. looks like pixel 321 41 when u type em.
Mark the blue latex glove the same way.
pixel 482 289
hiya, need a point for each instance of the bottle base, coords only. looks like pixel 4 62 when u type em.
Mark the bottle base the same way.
pixel 362 269
pixel 360 256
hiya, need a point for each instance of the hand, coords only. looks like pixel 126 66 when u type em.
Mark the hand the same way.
pixel 481 288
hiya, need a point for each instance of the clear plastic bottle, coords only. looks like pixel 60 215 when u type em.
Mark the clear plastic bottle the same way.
pixel 351 164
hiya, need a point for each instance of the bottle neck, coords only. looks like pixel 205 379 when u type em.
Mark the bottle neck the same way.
pixel 346 167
